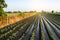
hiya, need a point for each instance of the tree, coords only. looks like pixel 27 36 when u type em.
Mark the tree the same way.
pixel 52 11
pixel 2 5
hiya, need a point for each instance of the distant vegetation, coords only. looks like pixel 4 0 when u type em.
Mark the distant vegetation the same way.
pixel 2 5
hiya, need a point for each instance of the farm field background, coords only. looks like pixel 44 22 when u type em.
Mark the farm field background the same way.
pixel 38 26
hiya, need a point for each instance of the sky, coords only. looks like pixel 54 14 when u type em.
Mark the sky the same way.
pixel 28 5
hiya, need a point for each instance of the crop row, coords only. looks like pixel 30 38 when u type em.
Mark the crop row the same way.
pixel 33 28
